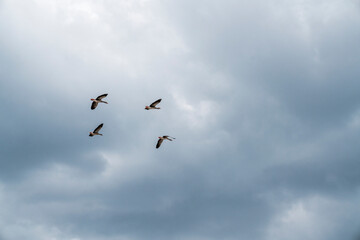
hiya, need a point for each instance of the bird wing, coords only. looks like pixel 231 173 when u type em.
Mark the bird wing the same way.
pixel 98 128
pixel 169 138
pixel 155 103
pixel 101 96
pixel 159 143
pixel 94 105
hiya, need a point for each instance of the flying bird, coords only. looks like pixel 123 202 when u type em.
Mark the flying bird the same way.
pixel 153 105
pixel 98 100
pixel 161 139
pixel 96 131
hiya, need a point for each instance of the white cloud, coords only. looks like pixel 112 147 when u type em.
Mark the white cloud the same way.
pixel 313 217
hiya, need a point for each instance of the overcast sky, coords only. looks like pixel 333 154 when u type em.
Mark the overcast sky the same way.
pixel 263 97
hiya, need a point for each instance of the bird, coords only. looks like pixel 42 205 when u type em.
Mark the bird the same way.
pixel 97 100
pixel 96 131
pixel 161 139
pixel 153 105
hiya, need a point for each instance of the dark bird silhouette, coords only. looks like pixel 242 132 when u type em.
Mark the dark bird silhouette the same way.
pixel 161 139
pixel 153 105
pixel 98 100
pixel 96 131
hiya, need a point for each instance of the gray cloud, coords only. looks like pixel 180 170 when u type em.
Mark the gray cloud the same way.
pixel 261 98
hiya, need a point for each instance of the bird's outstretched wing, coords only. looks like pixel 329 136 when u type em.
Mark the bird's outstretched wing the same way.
pixel 159 143
pixel 94 105
pixel 169 138
pixel 101 96
pixel 98 128
pixel 155 103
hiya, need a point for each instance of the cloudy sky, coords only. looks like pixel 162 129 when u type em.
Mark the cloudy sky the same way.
pixel 262 97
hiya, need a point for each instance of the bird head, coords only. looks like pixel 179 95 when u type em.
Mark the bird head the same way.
pixel 92 99
pixel 147 107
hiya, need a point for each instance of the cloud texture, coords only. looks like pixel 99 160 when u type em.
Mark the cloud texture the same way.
pixel 262 97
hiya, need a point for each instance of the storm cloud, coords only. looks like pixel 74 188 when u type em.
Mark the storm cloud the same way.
pixel 262 97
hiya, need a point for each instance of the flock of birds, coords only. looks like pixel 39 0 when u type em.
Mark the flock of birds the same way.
pixel 99 99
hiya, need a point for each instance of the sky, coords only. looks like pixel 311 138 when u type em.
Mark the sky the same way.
pixel 262 97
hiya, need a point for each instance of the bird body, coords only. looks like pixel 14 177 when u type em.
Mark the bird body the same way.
pixel 98 100
pixel 153 105
pixel 161 139
pixel 96 131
